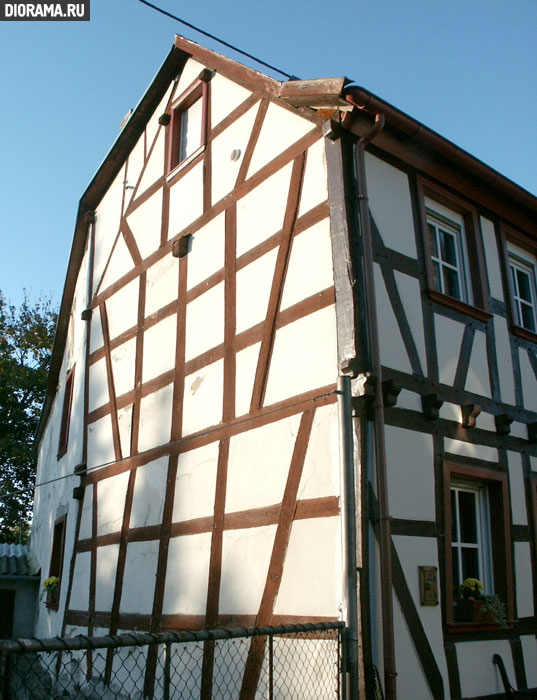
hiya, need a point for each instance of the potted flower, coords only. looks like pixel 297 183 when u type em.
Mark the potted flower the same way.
pixel 50 588
pixel 473 606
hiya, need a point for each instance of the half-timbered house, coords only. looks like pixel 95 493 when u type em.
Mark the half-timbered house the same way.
pixel 294 380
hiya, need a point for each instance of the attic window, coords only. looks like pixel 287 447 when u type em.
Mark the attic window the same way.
pixel 66 413
pixel 188 125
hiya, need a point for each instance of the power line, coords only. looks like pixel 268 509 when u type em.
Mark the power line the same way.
pixel 220 41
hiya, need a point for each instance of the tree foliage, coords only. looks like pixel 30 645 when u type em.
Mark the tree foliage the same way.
pixel 26 337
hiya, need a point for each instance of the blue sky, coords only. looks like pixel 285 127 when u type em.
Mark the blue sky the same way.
pixel 465 68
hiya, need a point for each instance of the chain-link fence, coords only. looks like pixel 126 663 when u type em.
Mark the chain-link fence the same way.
pixel 295 662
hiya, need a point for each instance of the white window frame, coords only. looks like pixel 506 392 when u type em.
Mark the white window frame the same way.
pixel 483 532
pixel 442 218
pixel 522 261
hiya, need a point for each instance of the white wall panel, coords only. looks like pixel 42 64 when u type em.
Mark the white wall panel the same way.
pixel 519 512
pixel 149 493
pixel 152 125
pixel 245 368
pixel 162 284
pixel 307 347
pixel 477 379
pixel 310 265
pixel 155 418
pixel 107 217
pixel 315 185
pixel 134 168
pixel 195 483
pixel 390 204
pixel 492 258
pixel 155 165
pixel 80 588
pixel 111 503
pixel 260 213
pixel 122 309
pixel 202 404
pixel 100 442
pixel 98 385
pixel 106 576
pixel 281 128
pixel 189 74
pixel 254 283
pixel 410 293
pixel 120 263
pixel 159 348
pixel 529 648
pixel 392 349
pixel 245 551
pixel 488 454
pixel 145 223
pixel 86 518
pixel 124 420
pixel 206 254
pixel 505 363
pixel 139 577
pixel 259 463
pixel 186 200
pixel 311 578
pixel 226 95
pixel 187 575
pixel 477 674
pixel 448 347
pixel 524 580
pixel 96 337
pixel 123 365
pixel 205 322
pixel 529 388
pixel 320 475
pixel 410 460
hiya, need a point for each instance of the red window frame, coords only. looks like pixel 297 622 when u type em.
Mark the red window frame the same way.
pixel 198 90
pixel 66 412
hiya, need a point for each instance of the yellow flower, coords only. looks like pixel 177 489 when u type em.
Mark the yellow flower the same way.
pixel 51 583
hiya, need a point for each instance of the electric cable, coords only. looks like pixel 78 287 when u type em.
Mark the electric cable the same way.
pixel 215 38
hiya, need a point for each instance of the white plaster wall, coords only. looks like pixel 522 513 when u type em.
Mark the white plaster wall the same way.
pixel 122 309
pixel 308 346
pixel 245 368
pixel 225 170
pixel 391 205
pixel 258 465
pixel 162 284
pixel 155 418
pixel 488 454
pixel 152 125
pixel 311 578
pixel 187 575
pixel 281 128
pixel 226 95
pixel 477 674
pixel 120 263
pixel 414 552
pixel 260 213
pixel 124 420
pixel 528 381
pixel 320 474
pixel 310 265
pixel 411 681
pixel 492 259
pixel 149 493
pixel 529 649
pixel 80 588
pixel 203 397
pixel 448 347
pixel 410 293
pixel 206 254
pixel 186 200
pixel 205 322
pixel 107 217
pixel 106 576
pixel 519 430
pixel 410 460
pixel 477 379
pixel 100 442
pixel 195 483
pixel 254 283
pixel 123 366
pixel 314 185
pixel 451 411
pixel 189 74
pixel 485 421
pixel 98 385
pixel 524 580
pixel 245 561
pixel 410 400
pixel 505 363
pixel 392 349
pixel 135 164
pixel 155 165
pixel 516 487
pixel 96 335
pixel 145 223
pixel 139 577
pixel 159 348
pixel 87 510
pixel 111 503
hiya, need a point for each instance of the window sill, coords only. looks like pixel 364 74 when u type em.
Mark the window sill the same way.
pixel 467 309
pixel 524 333
pixel 184 163
pixel 469 628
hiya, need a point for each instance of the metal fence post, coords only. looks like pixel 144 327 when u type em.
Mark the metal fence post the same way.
pixel 271 667
pixel 342 636
pixel 167 670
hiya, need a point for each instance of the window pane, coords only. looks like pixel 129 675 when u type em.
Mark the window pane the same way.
pixel 451 283
pixel 432 237
pixel 528 320
pixel 436 277
pixel 455 569
pixel 449 247
pixel 524 286
pixel 470 563
pixel 467 515
pixel 190 130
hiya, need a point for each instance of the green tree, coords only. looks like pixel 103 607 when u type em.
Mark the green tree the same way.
pixel 26 337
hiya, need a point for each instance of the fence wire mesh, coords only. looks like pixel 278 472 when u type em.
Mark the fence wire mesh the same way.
pixel 292 662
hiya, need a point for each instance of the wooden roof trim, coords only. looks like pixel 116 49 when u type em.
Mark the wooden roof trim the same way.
pixel 323 92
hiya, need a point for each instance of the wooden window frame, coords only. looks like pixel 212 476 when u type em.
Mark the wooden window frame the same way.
pixel 56 560
pixel 472 249
pixel 63 440
pixel 198 90
pixel 507 236
pixel 497 484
